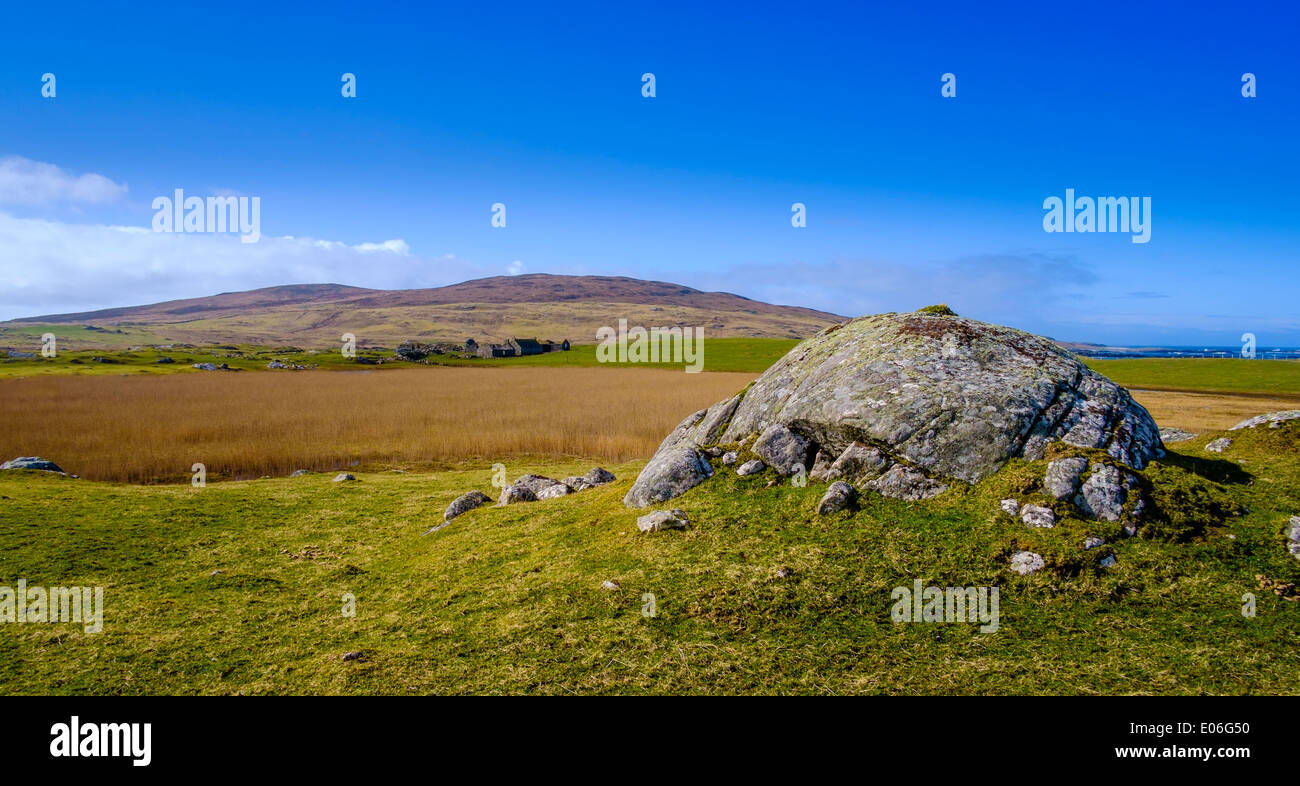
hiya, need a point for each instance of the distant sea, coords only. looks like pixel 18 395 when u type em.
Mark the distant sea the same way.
pixel 1262 352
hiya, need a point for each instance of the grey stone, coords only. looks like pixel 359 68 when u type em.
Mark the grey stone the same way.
pixel 751 467
pixel 669 474
pixel 838 497
pixel 32 462
pixel 298 473
pixel 730 457
pixel 1293 537
pixel 599 476
pixel 1104 492
pixel 1219 445
pixel 1109 561
pixel 1010 506
pixel 1062 478
pixel 903 482
pixel 1093 542
pixel 1274 419
pixel 782 449
pixel 858 462
pixel 1038 516
pixel 1168 435
pixel 513 494
pixel 578 483
pixel 344 476
pixel 553 491
pixel 1026 562
pixel 608 585
pixel 662 519
pixel 465 503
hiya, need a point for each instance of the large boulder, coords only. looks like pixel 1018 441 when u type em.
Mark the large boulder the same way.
pixel 937 397
pixel 1273 419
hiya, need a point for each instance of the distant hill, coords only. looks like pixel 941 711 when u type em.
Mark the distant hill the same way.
pixel 535 305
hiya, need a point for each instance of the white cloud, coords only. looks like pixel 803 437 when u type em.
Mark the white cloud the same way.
pixel 27 182
pixel 515 268
pixel 56 267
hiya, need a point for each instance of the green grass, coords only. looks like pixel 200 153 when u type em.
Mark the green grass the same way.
pixel 720 354
pixel 1211 375
pixel 759 595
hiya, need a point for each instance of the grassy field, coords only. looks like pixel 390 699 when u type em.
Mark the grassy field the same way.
pixel 1211 375
pixel 239 588
pixel 720 354
pixel 247 425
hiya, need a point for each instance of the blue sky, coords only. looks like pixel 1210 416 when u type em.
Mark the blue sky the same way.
pixel 911 198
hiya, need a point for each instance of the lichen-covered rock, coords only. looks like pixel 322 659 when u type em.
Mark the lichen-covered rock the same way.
pixel 1093 542
pixel 662 519
pixel 1062 479
pixel 1293 536
pixel 32 462
pixel 515 493
pixel 554 490
pixel 838 497
pixel 1273 419
pixel 903 482
pixel 598 476
pixel 1026 562
pixel 343 477
pixel 1038 516
pixel 1104 493
pixel 941 397
pixel 857 463
pixel 730 457
pixel 1009 506
pixel 781 449
pixel 1219 445
pixel 669 474
pixel 577 483
pixel 1108 561
pixel 465 503
pixel 751 468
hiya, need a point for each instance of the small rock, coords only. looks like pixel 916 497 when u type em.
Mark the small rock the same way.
pixel 342 476
pixel 1010 506
pixel 577 483
pixel 515 493
pixel 730 457
pixel 1219 445
pixel 608 585
pixel 1062 478
pixel 782 449
pixel 838 497
pixel 903 482
pixel 751 467
pixel 782 573
pixel 354 655
pixel 713 452
pixel 1293 537
pixel 1092 542
pixel 1109 562
pixel 1273 419
pixel 1104 492
pixel 297 473
pixel 1038 516
pixel 1026 562
pixel 599 476
pixel 662 519
pixel 32 462
pixel 557 490
pixel 465 503
pixel 1168 435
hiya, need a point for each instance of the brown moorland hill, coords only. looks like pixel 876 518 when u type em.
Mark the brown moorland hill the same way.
pixel 540 305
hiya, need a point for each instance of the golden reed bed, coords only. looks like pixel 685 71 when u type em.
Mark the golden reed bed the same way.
pixel 242 425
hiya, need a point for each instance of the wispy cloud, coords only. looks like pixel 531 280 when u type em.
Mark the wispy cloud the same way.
pixel 51 266
pixel 30 183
